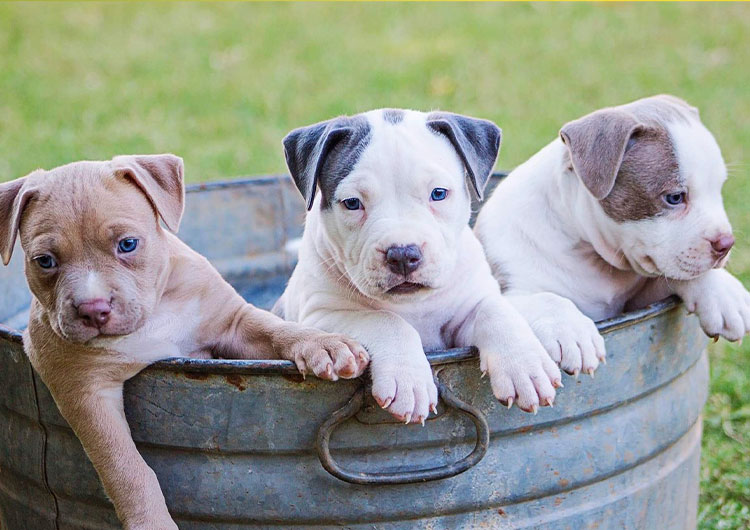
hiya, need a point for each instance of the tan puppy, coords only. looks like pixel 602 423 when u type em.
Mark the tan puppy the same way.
pixel 113 292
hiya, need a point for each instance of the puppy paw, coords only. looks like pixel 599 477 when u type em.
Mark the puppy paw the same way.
pixel 329 356
pixel 721 303
pixel 407 391
pixel 571 340
pixel 524 375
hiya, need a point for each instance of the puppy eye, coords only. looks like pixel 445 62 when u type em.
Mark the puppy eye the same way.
pixel 129 244
pixel 352 203
pixel 46 261
pixel 673 199
pixel 439 194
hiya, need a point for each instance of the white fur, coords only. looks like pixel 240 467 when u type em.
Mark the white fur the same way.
pixel 341 281
pixel 552 242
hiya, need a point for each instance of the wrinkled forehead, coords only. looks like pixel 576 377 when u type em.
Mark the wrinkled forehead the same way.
pixel 400 154
pixel 82 201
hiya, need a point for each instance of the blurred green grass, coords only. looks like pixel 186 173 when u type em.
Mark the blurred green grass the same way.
pixel 221 84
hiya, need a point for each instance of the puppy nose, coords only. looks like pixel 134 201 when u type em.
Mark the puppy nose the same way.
pixel 94 313
pixel 403 260
pixel 722 244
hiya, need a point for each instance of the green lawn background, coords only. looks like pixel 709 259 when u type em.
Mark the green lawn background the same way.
pixel 220 84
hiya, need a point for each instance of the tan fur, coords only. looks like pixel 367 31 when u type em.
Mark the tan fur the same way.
pixel 166 300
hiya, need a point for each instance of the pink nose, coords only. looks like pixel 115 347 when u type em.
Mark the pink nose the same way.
pixel 722 244
pixel 94 313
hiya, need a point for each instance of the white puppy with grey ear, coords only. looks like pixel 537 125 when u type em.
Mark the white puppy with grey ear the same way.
pixel 622 210
pixel 388 257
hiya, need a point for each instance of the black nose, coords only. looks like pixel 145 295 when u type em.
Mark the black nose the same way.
pixel 403 260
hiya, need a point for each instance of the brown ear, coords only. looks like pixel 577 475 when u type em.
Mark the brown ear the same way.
pixel 13 199
pixel 597 145
pixel 160 177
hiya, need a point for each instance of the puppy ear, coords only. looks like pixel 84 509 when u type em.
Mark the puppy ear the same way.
pixel 307 148
pixel 597 144
pixel 13 199
pixel 476 141
pixel 161 178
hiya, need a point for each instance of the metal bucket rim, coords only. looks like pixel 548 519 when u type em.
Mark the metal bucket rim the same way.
pixel 282 367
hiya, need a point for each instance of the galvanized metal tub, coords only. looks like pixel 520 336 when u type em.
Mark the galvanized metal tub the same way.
pixel 234 442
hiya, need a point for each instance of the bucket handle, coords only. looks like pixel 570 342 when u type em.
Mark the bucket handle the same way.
pixel 402 477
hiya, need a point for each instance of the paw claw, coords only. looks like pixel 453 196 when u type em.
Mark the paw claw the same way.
pixel 408 419
pixel 534 409
pixel 575 373
pixel 484 372
pixel 549 402
pixel 557 383
pixel 433 408
pixel 510 403
pixel 590 371
pixel 387 403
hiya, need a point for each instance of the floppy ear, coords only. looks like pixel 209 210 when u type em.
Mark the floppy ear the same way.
pixel 161 178
pixel 476 141
pixel 597 145
pixel 306 149
pixel 13 199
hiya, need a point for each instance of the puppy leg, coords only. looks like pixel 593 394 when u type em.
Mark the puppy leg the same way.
pixel 402 380
pixel 519 368
pixel 720 301
pixel 570 337
pixel 257 334
pixel 95 412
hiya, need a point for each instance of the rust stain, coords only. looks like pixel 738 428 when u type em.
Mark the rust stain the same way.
pixel 501 512
pixel 577 427
pixel 196 377
pixel 558 501
pixel 525 428
pixel 294 378
pixel 563 482
pixel 588 470
pixel 235 380
pixel 557 473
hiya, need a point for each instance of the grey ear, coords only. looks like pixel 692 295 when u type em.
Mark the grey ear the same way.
pixel 161 178
pixel 597 144
pixel 308 149
pixel 13 199
pixel 476 141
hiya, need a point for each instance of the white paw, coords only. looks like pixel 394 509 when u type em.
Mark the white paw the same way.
pixel 523 374
pixel 571 340
pixel 329 356
pixel 721 303
pixel 405 389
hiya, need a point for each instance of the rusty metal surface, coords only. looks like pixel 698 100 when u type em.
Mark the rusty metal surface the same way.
pixel 233 442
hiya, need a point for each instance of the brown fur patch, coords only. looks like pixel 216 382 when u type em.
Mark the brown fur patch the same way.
pixel 649 169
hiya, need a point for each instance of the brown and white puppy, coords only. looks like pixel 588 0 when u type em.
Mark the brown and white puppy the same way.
pixel 113 292
pixel 622 210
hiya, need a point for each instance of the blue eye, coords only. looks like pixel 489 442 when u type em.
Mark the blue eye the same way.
pixel 352 203
pixel 128 244
pixel 46 261
pixel 673 199
pixel 438 194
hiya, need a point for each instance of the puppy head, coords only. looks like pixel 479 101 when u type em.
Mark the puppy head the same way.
pixel 657 175
pixel 95 252
pixel 393 195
